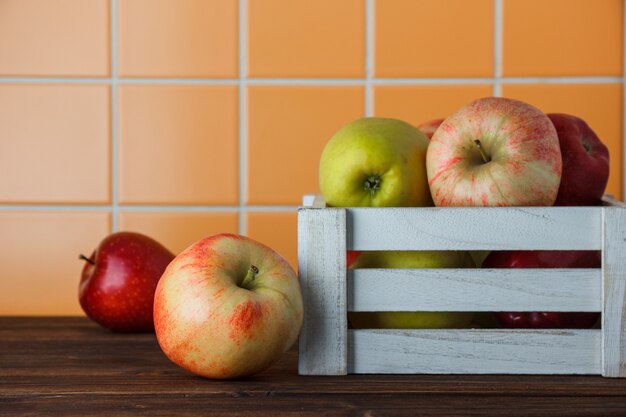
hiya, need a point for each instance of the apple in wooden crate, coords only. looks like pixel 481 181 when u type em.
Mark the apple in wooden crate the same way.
pixel 227 307
pixel 410 319
pixel 495 152
pixel 428 128
pixel 119 280
pixel 544 259
pixel 585 162
pixel 375 162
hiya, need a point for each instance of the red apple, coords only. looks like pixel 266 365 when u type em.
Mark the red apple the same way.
pixel 119 280
pixel 428 128
pixel 585 162
pixel 494 152
pixel 544 259
pixel 227 307
pixel 352 256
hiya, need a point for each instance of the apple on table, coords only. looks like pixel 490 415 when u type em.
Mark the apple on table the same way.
pixel 227 307
pixel 119 279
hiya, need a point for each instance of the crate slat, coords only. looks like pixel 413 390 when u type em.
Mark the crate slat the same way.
pixel 614 293
pixel 322 275
pixel 473 228
pixel 479 351
pixel 475 290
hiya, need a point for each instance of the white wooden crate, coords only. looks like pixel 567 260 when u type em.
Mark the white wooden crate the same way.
pixel 328 347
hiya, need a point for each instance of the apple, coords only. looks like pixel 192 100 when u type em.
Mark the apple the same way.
pixel 227 307
pixel 545 259
pixel 375 162
pixel 585 162
pixel 352 256
pixel 495 152
pixel 119 280
pixel 411 319
pixel 428 128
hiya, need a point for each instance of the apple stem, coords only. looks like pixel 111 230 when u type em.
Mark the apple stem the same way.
pixel 372 184
pixel 86 259
pixel 481 150
pixel 250 276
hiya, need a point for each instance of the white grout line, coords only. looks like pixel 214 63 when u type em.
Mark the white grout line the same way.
pixel 497 49
pixel 148 208
pixel 114 119
pixel 316 81
pixel 369 57
pixel 243 113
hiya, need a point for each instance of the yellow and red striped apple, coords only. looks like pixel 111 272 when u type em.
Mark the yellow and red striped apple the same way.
pixel 495 152
pixel 227 307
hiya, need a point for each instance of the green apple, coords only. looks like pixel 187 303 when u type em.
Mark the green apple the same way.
pixel 375 162
pixel 410 319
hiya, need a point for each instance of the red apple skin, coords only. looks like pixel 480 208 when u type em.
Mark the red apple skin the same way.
pixel 585 162
pixel 211 323
pixel 117 291
pixel 544 259
pixel 428 128
pixel 516 161
pixel 352 256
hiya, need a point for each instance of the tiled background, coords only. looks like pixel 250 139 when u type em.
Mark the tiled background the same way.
pixel 184 118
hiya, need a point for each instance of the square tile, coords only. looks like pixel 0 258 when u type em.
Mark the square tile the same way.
pixel 55 145
pixel 178 38
pixel 434 38
pixel 288 127
pixel 40 266
pixel 322 38
pixel 178 144
pixel 600 105
pixel 562 37
pixel 277 230
pixel 417 104
pixel 54 38
pixel 177 231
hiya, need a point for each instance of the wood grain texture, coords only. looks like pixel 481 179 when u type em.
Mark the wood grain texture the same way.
pixel 71 366
pixel 474 290
pixel 473 228
pixel 475 351
pixel 614 293
pixel 322 273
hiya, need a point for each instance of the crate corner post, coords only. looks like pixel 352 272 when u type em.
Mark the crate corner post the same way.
pixel 322 273
pixel 614 292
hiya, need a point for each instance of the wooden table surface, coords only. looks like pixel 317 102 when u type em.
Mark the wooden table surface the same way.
pixel 70 366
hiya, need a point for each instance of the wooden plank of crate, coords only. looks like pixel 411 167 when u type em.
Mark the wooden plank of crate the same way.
pixel 474 351
pixel 614 292
pixel 475 228
pixel 475 290
pixel 322 273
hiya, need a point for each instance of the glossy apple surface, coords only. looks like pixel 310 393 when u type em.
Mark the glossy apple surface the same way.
pixel 544 259
pixel 495 152
pixel 585 162
pixel 411 319
pixel 119 280
pixel 428 128
pixel 375 162
pixel 227 307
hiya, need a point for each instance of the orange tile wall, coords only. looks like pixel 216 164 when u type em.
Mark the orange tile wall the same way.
pixel 184 118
